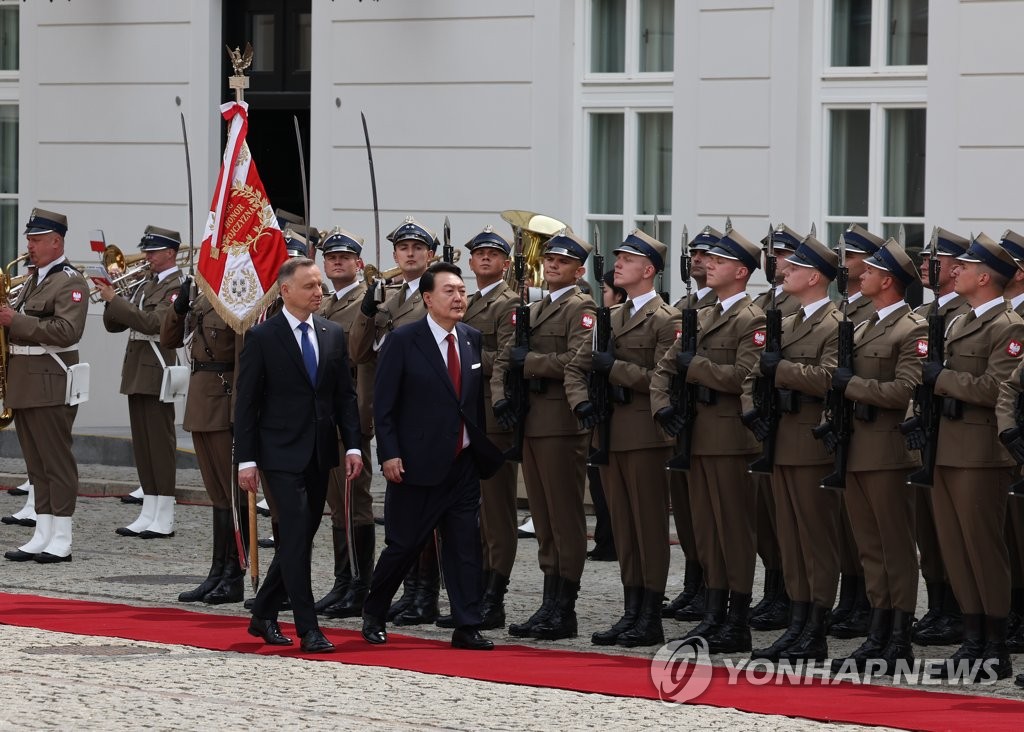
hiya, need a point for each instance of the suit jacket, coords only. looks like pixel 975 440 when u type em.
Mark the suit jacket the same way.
pixel 210 403
pixel 141 372
pixel 50 313
pixel 344 312
pixel 860 310
pixel 887 357
pixel 418 416
pixel 280 416
pixel 980 355
pixel 494 316
pixel 560 331
pixel 639 343
pixel 728 348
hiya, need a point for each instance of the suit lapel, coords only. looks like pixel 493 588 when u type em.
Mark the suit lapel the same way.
pixel 482 303
pixel 288 342
pixel 639 317
pixel 428 346
pixel 551 309
pixel 965 329
pixel 324 342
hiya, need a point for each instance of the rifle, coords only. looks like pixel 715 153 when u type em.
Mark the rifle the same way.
pixel 927 405
pixel 448 251
pixel 684 396
pixel 516 386
pixel 839 409
pixel 766 399
pixel 598 387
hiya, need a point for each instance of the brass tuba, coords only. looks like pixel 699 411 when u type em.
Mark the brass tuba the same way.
pixel 6 288
pixel 537 229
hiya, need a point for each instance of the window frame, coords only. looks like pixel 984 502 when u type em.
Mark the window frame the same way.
pixel 878 67
pixel 631 49
pixel 10 96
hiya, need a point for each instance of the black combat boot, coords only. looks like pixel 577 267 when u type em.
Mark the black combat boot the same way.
pixel 970 651
pixel 492 605
pixel 772 585
pixel 847 596
pixel 632 598
pixel 948 628
pixel 879 629
pixel 798 612
pixel 524 630
pixel 221 537
pixel 693 579
pixel 776 615
pixel 923 627
pixel 1015 622
pixel 812 645
pixel 561 622
pixel 995 655
pixel 231 587
pixel 695 610
pixel 424 605
pixel 351 603
pixel 733 635
pixel 404 602
pixel 714 614
pixel 648 629
pixel 899 647
pixel 342 571
pixel 858 620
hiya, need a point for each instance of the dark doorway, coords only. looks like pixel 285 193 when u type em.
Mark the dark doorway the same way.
pixel 280 33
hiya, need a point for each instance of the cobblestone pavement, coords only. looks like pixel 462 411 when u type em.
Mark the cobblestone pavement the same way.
pixel 171 689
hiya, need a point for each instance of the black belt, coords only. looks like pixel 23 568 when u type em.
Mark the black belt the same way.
pixel 219 367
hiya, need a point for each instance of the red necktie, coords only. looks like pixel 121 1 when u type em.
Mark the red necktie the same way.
pixel 455 374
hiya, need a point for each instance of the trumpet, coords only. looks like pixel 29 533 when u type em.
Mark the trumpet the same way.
pixel 372 274
pixel 127 273
pixel 7 291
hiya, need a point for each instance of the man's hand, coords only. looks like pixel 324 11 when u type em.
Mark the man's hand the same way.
pixel 6 316
pixel 505 414
pixel 601 362
pixel 368 306
pixel 181 302
pixel 770 361
pixel 930 371
pixel 670 420
pixel 248 479
pixel 683 359
pixel 916 439
pixel 353 466
pixel 586 414
pixel 752 421
pixel 106 291
pixel 517 357
pixel 393 470
pixel 831 442
pixel 1013 441
pixel 841 379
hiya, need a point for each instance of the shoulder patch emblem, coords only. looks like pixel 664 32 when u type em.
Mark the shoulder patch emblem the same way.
pixel 1014 348
pixel 760 338
pixel 174 296
pixel 679 332
pixel 921 348
pixel 76 296
pixel 587 321
pixel 513 317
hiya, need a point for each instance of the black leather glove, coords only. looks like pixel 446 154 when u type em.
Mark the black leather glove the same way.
pixel 930 371
pixel 683 359
pixel 916 439
pixel 831 442
pixel 752 421
pixel 586 414
pixel 841 378
pixel 770 361
pixel 505 414
pixel 181 302
pixel 1013 441
pixel 670 420
pixel 368 306
pixel 601 362
pixel 517 357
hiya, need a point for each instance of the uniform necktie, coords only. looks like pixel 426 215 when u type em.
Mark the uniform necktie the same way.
pixel 629 309
pixel 543 304
pixel 403 294
pixel 308 354
pixel 455 374
pixel 799 317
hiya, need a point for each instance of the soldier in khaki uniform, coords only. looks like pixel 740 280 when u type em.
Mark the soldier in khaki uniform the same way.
pixel 44 326
pixel 807 517
pixel 689 604
pixel 635 481
pixel 972 470
pixel 342 252
pixel 213 350
pixel 730 342
pixel 888 351
pixel 414 245
pixel 152 421
pixel 772 612
pixel 554 448
pixel 943 624
pixel 850 616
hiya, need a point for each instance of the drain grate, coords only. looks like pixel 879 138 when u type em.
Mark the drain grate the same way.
pixel 153 579
pixel 101 650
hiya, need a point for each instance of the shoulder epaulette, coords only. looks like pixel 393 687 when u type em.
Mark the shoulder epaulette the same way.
pixel 70 271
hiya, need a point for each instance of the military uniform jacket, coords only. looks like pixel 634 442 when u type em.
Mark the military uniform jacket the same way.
pixel 783 301
pixel 210 403
pixel 809 351
pixel 344 312
pixel 494 316
pixel 956 306
pixel 981 353
pixel 691 301
pixel 728 348
pixel 887 359
pixel 142 372
pixel 860 310
pixel 367 334
pixel 562 330
pixel 49 313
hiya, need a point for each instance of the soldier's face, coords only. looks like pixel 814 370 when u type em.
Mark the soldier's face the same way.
pixel 161 260
pixel 446 303
pixel 488 264
pixel 698 265
pixel 872 280
pixel 303 293
pixel 44 248
pixel 342 267
pixel 561 271
pixel 855 264
pixel 412 256
pixel 967 279
pixel 782 267
pixel 723 271
pixel 631 270
pixel 797 279
pixel 949 268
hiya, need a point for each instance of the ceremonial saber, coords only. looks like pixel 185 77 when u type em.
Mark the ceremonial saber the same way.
pixel 254 546
pixel 191 213
pixel 373 190
pixel 304 179
pixel 350 529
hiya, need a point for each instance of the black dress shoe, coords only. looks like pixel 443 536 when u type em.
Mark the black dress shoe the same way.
pixel 373 630
pixel 267 543
pixel 269 631
pixel 315 642
pixel 445 621
pixel 125 531
pixel 47 558
pixel 17 555
pixel 147 534
pixel 263 511
pixel 10 520
pixel 17 492
pixel 30 523
pixel 470 640
pixel 131 500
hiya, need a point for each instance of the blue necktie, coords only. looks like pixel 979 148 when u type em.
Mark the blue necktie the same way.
pixel 308 354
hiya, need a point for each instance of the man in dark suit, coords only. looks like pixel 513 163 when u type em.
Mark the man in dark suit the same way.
pixel 294 396
pixel 429 414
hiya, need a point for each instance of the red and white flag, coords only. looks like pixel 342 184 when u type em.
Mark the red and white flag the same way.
pixel 243 246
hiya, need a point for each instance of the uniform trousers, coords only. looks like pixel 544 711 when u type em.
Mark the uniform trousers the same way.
pixel 362 501
pixel 679 492
pixel 970 515
pixel 767 530
pixel 722 494
pixel 881 508
pixel 554 469
pixel 932 568
pixel 1015 539
pixel 213 453
pixel 44 434
pixel 849 554
pixel 807 519
pixel 153 443
pixel 499 530
pixel 636 489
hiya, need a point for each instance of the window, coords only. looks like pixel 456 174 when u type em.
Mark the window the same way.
pixel 8 37
pixel 631 36
pixel 10 238
pixel 877 34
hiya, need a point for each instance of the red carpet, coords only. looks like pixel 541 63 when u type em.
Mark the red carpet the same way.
pixel 904 707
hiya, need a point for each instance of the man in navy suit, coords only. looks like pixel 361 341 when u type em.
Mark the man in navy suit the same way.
pixel 429 414
pixel 294 396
